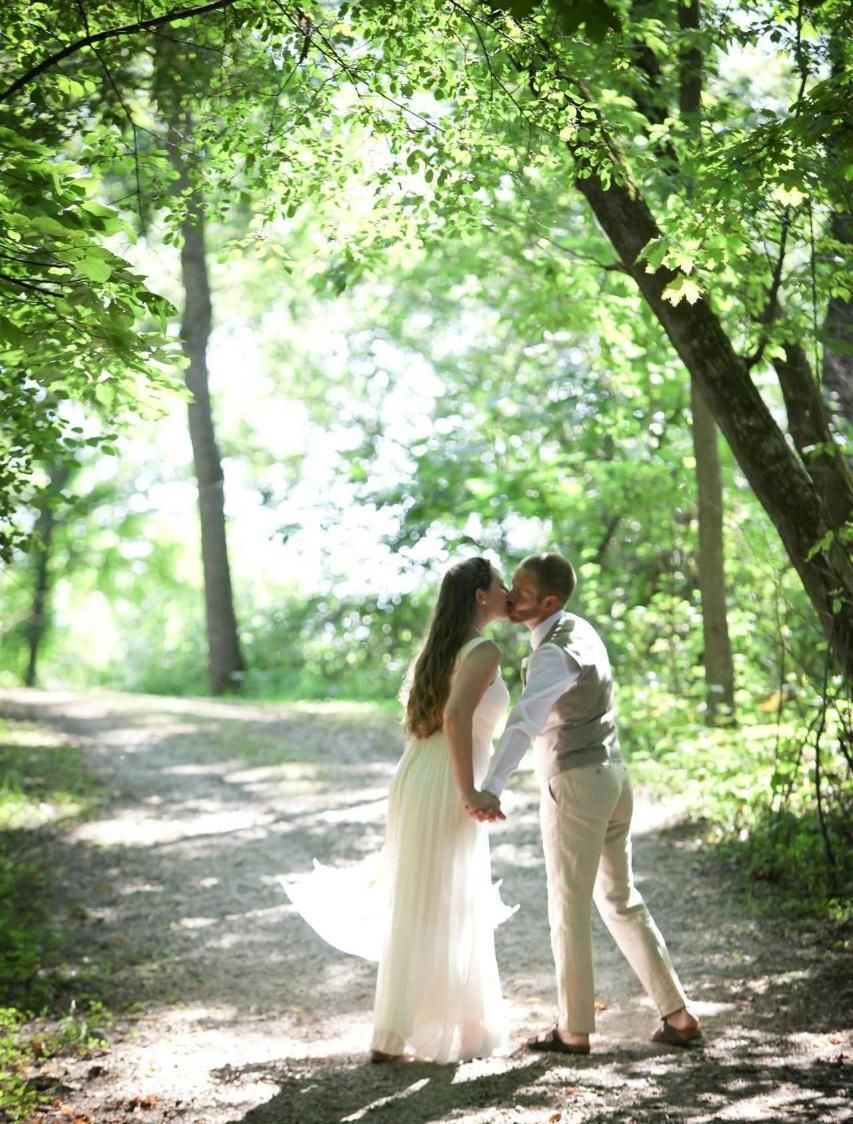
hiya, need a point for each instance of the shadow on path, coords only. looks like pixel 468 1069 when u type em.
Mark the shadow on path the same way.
pixel 170 901
pixel 621 1086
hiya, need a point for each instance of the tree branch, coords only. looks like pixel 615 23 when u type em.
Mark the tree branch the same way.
pixel 809 427
pixel 40 262
pixel 771 308
pixel 110 33
pixel 575 255
pixel 689 65
pixel 30 286
pixel 609 531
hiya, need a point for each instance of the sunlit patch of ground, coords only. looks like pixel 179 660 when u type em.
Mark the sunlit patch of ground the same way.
pixel 236 1012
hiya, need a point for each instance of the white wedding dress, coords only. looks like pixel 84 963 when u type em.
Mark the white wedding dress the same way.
pixel 425 906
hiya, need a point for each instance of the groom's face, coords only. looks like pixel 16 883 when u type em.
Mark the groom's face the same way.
pixel 526 604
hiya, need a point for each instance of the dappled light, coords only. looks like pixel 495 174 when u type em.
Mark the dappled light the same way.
pixel 413 413
pixel 174 889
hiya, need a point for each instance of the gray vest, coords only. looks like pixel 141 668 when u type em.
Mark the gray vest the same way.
pixel 581 727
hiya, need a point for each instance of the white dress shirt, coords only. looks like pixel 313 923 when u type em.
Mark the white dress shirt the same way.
pixel 551 672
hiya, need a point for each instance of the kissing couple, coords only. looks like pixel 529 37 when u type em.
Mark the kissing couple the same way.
pixel 430 906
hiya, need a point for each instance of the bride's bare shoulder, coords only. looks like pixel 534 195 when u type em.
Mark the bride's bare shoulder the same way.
pixel 484 652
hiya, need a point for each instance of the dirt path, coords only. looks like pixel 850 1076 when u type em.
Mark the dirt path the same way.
pixel 172 906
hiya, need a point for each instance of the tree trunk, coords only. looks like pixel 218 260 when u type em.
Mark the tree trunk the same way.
pixel 774 471
pixel 838 338
pixel 838 326
pixel 225 661
pixel 719 668
pixel 174 68
pixel 42 550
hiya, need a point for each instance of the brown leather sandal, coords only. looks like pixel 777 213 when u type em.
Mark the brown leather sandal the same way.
pixel 550 1042
pixel 670 1035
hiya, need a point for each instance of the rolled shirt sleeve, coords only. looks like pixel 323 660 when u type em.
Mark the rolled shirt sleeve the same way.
pixel 550 673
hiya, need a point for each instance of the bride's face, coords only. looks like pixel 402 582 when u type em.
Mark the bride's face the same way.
pixel 495 604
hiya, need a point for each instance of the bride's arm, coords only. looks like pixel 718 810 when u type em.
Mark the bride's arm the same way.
pixel 477 671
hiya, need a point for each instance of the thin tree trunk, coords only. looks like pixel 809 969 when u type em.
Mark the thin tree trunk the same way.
pixel 838 338
pixel 838 326
pixel 42 549
pixel 719 668
pixel 225 661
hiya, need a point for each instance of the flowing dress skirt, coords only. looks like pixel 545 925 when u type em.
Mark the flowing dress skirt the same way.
pixel 438 993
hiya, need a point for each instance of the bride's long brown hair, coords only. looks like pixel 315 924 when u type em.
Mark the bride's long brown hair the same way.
pixel 429 678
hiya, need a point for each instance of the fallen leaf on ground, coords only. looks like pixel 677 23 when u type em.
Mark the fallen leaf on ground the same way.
pixel 142 1102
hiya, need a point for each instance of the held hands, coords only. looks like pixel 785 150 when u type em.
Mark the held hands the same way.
pixel 483 806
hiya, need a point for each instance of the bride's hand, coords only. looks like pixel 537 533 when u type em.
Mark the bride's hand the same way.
pixel 483 805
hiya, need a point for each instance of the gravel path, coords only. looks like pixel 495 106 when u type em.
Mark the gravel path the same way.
pixel 234 1012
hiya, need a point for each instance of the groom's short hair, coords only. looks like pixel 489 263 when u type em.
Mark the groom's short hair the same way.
pixel 553 573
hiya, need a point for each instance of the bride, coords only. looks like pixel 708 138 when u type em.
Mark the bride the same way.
pixel 438 994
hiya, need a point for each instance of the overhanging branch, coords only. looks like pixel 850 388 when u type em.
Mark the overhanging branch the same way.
pixel 110 33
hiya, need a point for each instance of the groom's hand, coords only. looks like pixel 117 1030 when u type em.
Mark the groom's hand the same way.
pixel 483 806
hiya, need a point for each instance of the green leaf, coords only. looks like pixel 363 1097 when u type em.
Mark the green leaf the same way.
pixel 105 394
pixel 682 288
pixel 824 543
pixel 96 269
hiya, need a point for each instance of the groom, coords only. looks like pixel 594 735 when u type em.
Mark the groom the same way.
pixel 567 711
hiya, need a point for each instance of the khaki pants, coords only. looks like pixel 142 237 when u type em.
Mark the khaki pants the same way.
pixel 585 815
